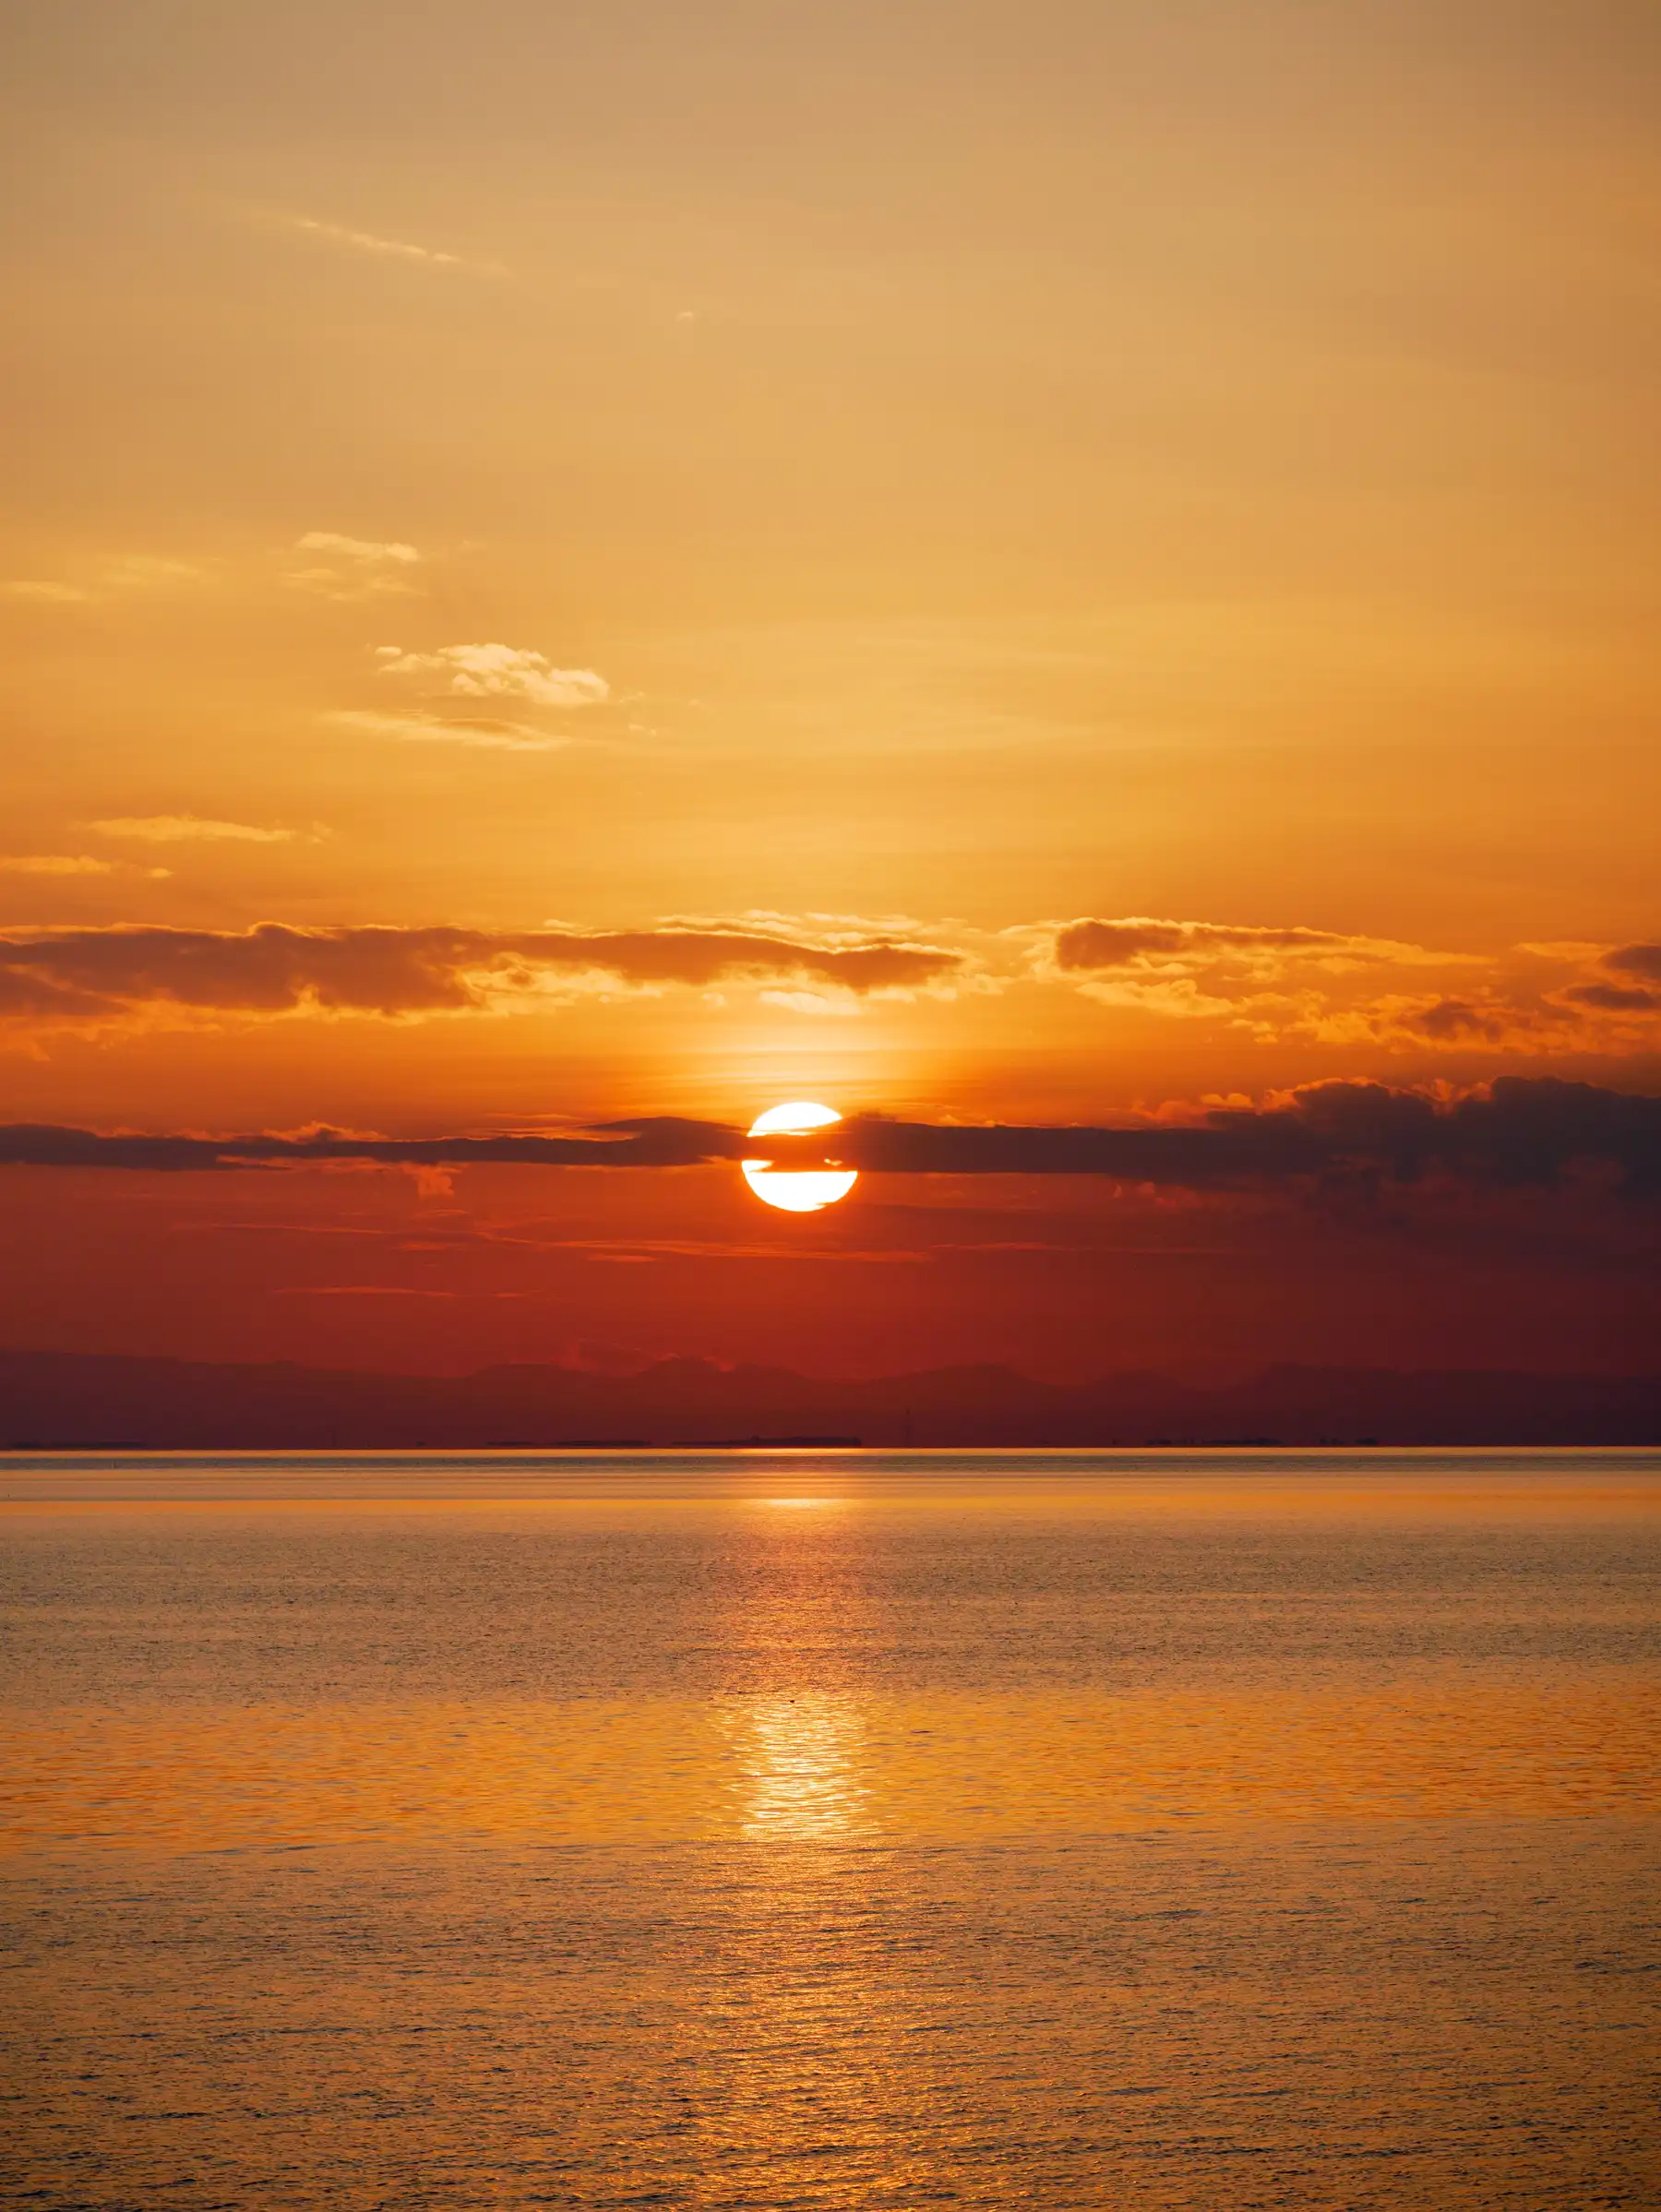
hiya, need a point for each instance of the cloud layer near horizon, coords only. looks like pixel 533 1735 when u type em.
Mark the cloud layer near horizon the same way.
pixel 1517 1132
pixel 1325 986
pixel 1268 984
pixel 92 975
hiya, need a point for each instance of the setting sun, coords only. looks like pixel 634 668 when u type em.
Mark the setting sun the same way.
pixel 796 1190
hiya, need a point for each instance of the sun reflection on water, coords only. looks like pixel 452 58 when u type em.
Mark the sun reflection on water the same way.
pixel 801 1757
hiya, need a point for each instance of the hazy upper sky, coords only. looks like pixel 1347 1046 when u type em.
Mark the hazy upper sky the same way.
pixel 972 560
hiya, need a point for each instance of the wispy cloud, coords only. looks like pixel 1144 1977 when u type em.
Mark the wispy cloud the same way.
pixel 192 828
pixel 44 592
pixel 368 241
pixel 142 571
pixel 61 864
pixel 351 569
pixel 423 729
pixel 1140 943
pixel 54 864
pixel 127 572
pixel 811 1002
pixel 372 551
pixel 495 671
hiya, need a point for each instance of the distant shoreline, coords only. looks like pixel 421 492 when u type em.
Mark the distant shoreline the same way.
pixel 54 1401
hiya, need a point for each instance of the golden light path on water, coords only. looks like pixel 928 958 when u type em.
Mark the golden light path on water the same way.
pixel 818 1711
pixel 831 1830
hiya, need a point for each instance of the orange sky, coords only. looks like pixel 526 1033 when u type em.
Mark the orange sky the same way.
pixel 981 562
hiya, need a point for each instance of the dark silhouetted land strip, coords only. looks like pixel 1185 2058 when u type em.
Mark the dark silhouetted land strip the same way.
pixel 62 1400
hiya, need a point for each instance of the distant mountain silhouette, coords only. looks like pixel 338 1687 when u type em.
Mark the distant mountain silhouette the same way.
pixel 58 1399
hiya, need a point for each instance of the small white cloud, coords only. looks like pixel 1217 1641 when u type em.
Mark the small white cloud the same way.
pixel 371 551
pixel 54 864
pixel 425 729
pixel 45 594
pixel 354 567
pixel 500 671
pixel 191 829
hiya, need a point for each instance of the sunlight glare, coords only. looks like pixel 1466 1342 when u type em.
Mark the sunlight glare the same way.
pixel 796 1190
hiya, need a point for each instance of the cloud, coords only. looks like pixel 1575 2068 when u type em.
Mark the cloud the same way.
pixel 55 864
pixel 45 593
pixel 1266 978
pixel 140 572
pixel 352 569
pixel 130 572
pixel 1615 998
pixel 132 975
pixel 190 829
pixel 372 553
pixel 665 1143
pixel 366 242
pixel 118 973
pixel 423 729
pixel 1460 1020
pixel 1516 1133
pixel 1622 1001
pixel 499 672
pixel 1471 1022
pixel 1293 981
pixel 810 1003
pixel 71 864
pixel 1137 940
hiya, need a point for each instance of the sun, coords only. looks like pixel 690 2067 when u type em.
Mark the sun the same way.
pixel 797 1189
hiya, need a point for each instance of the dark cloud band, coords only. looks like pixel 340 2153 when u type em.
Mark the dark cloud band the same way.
pixel 1518 1132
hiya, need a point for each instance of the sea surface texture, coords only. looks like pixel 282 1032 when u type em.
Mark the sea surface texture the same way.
pixel 768 1830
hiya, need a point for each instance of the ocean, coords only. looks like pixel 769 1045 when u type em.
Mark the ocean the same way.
pixel 775 1829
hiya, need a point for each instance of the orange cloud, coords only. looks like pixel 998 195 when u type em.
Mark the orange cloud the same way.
pixel 109 973
pixel 54 864
pixel 494 671
pixel 1137 941
pixel 425 729
pixel 192 828
pixel 1636 960
pixel 1283 982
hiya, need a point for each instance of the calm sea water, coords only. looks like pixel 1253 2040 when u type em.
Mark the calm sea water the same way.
pixel 769 1830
